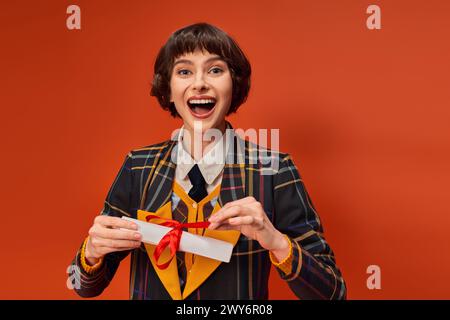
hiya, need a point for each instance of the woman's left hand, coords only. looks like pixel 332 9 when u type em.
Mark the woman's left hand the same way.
pixel 247 216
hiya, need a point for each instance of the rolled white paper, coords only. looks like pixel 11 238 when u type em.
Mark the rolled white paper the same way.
pixel 204 246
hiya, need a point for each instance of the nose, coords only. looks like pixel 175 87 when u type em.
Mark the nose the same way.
pixel 199 83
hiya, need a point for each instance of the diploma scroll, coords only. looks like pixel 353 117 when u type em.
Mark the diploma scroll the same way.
pixel 204 246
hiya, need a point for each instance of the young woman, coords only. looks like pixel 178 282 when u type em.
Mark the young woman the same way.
pixel 261 207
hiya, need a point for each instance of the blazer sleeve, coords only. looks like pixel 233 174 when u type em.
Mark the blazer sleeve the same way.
pixel 117 204
pixel 314 273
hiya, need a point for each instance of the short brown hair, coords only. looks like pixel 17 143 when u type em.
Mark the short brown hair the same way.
pixel 205 37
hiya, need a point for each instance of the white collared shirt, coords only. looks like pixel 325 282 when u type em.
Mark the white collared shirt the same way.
pixel 211 164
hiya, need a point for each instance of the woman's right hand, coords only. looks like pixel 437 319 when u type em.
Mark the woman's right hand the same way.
pixel 105 237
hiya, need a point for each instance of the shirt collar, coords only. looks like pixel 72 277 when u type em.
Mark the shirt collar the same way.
pixel 210 165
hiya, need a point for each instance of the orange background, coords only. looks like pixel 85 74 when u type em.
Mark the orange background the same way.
pixel 363 112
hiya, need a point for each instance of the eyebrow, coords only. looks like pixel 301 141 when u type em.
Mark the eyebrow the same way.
pixel 190 62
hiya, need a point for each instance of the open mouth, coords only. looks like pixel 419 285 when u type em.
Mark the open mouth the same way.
pixel 202 108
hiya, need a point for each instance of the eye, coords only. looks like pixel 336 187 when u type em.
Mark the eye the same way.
pixel 183 72
pixel 216 70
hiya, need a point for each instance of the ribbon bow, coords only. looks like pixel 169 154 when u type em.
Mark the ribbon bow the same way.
pixel 172 238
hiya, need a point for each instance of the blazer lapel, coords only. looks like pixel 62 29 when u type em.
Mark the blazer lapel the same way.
pixel 234 171
pixel 158 188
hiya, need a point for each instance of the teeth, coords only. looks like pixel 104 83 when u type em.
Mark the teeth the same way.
pixel 204 101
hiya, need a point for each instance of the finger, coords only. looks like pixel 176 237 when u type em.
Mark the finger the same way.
pixel 117 234
pixel 246 220
pixel 224 213
pixel 236 223
pixel 115 222
pixel 230 212
pixel 223 226
pixel 116 244
pixel 105 250
pixel 252 221
pixel 246 200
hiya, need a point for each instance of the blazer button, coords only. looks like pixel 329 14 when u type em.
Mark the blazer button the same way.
pixel 194 205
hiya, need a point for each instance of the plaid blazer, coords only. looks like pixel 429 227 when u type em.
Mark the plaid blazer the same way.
pixel 145 181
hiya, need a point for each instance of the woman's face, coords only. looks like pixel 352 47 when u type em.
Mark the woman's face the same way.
pixel 201 88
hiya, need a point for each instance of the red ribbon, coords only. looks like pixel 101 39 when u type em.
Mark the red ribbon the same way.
pixel 173 237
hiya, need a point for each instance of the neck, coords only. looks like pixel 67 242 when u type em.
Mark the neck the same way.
pixel 199 142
